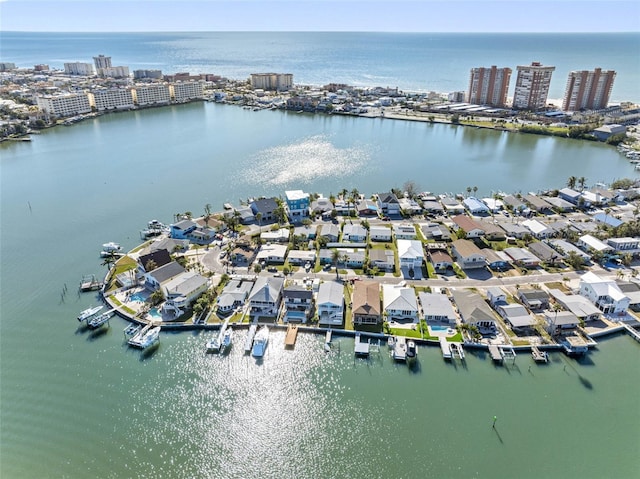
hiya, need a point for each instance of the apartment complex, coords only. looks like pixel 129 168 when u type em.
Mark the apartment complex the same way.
pixel 144 74
pixel 532 86
pixel 112 99
pixel 102 62
pixel 155 94
pixel 184 91
pixel 272 81
pixel 588 90
pixel 79 68
pixel 489 86
pixel 70 104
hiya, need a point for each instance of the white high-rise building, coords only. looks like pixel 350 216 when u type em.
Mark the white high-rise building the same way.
pixel 112 99
pixel 68 104
pixel 114 72
pixel 155 94
pixel 272 81
pixel 102 62
pixel 183 91
pixel 532 86
pixel 79 68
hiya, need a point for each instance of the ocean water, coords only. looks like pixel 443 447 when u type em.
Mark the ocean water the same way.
pixel 76 403
pixel 410 61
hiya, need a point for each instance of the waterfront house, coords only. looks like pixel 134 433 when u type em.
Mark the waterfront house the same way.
pixel 155 279
pixel 579 305
pixel 399 303
pixel 388 204
pixel 632 291
pixel 272 254
pixel 383 259
pixel 298 304
pixel 322 206
pixel 516 316
pixel 536 203
pixel 469 226
pixel 570 195
pixel 437 307
pixel 170 244
pixel 410 254
pixel 475 206
pixel 243 213
pixel 266 208
pixel 451 205
pixel 409 206
pixel 301 257
pixel 560 205
pixel 405 231
pixel 560 321
pixel 367 207
pixel 440 260
pixel 496 260
pixel 474 311
pixel 298 204
pixel 564 247
pixel 538 229
pixel 494 205
pixel 523 257
pixel 467 254
pixel 354 233
pixel 380 233
pixel 546 253
pixel 233 296
pixel 590 243
pixel 605 294
pixel 604 132
pixel 149 262
pixel 432 207
pixel 181 229
pixel 592 198
pixel 330 304
pixel 184 288
pixel 331 232
pixel 366 303
pixel 514 204
pixel 241 256
pixel 266 295
pixel 435 231
pixel 607 219
pixel 275 236
pixel 534 299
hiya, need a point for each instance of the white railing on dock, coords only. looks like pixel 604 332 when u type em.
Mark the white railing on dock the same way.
pixel 632 332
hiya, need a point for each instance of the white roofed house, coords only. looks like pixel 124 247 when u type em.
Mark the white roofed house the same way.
pixel 437 307
pixel 388 203
pixel 354 233
pixel 605 294
pixel 233 296
pixel 523 257
pixel 185 288
pixel 578 305
pixel 272 253
pixel 298 257
pixel 266 296
pixel 399 303
pixel 404 231
pixel 380 233
pixel 538 229
pixel 330 304
pixel 625 245
pixel 592 245
pixel 516 316
pixel 411 256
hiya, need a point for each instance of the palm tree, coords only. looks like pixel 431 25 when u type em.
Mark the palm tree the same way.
pixel 354 197
pixel 207 214
pixel 336 257
pixel 475 189
pixel 581 181
pixel 468 190
pixel 571 182
pixel 259 218
pixel 332 199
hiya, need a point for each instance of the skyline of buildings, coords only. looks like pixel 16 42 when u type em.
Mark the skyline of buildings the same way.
pixel 588 90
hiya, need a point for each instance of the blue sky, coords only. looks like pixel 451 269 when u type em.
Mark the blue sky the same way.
pixel 322 15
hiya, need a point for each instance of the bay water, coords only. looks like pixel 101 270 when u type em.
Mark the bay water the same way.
pixel 75 403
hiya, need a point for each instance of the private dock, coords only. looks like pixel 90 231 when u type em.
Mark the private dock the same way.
pixel 496 353
pixel 361 349
pixel 508 352
pixel 400 349
pixel 248 342
pixel 457 351
pixel 445 346
pixel 89 282
pixel 632 332
pixel 539 356
pixel 97 321
pixel 291 336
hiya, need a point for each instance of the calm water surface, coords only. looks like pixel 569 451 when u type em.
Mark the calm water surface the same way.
pixel 80 404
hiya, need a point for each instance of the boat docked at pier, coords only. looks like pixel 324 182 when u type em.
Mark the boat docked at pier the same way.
pixel 248 342
pixel 109 249
pixel 260 342
pixel 226 341
pixel 97 321
pixel 87 313
pixel 146 337
pixel 400 349
pixel 412 350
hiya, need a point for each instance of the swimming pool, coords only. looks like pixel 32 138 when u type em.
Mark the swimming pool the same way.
pixel 138 297
pixel 439 328
pixel 154 313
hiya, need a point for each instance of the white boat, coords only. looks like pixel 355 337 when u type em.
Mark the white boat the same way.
pixel 111 247
pixel 400 349
pixel 226 339
pixel 99 320
pixel 213 345
pixel 87 313
pixel 260 342
pixel 248 343
pixel 150 337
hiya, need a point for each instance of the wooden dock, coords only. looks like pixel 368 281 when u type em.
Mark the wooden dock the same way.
pixel 632 332
pixel 361 348
pixel 90 283
pixel 508 352
pixel 291 336
pixel 496 353
pixel 445 347
pixel 539 356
